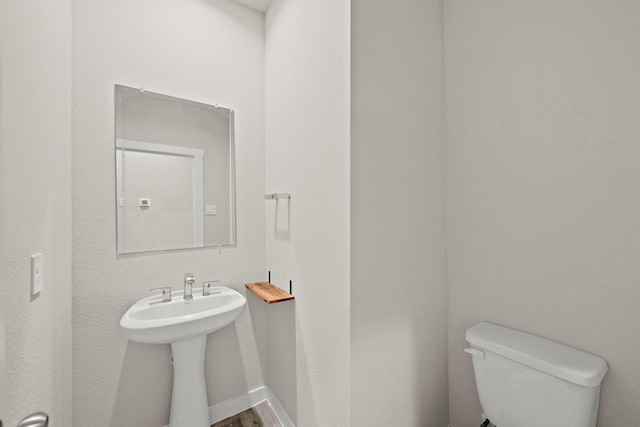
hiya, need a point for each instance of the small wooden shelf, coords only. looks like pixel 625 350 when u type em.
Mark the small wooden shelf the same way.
pixel 268 292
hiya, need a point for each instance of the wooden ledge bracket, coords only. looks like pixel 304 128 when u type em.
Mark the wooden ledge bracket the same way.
pixel 268 292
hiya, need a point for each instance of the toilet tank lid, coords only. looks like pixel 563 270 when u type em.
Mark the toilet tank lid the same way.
pixel 539 353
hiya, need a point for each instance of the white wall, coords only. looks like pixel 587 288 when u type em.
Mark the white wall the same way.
pixel 208 51
pixel 542 183
pixel 3 252
pixel 307 154
pixel 36 210
pixel 398 286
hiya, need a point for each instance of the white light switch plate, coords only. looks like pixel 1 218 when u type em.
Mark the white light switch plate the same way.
pixel 37 273
pixel 212 210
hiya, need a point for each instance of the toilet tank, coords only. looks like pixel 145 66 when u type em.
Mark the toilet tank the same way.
pixel 527 381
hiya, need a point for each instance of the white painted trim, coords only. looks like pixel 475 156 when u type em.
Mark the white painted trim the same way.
pixel 228 408
pixel 120 223
pixel 196 154
pixel 150 147
pixel 198 201
pixel 232 180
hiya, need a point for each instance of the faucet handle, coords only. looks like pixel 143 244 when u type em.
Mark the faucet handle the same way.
pixel 206 287
pixel 166 293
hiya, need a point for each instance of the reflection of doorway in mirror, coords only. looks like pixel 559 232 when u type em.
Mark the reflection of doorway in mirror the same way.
pixel 160 196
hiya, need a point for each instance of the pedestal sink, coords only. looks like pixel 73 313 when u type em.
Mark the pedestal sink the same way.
pixel 185 326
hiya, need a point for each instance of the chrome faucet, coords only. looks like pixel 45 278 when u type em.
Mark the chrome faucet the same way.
pixel 189 280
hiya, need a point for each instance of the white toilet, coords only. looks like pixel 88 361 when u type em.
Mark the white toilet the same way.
pixel 527 381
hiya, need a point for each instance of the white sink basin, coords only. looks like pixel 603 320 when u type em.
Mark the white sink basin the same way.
pixel 185 326
pixel 155 322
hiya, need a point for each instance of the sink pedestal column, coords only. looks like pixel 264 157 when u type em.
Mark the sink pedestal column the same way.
pixel 189 404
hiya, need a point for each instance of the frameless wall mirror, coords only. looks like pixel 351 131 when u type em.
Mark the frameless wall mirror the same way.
pixel 175 173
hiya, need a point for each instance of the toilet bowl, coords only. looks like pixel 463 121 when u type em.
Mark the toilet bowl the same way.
pixel 524 380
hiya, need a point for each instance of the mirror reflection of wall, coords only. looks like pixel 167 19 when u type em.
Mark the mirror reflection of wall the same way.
pixel 174 172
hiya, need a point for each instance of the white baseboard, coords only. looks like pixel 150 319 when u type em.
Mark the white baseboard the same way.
pixel 228 408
